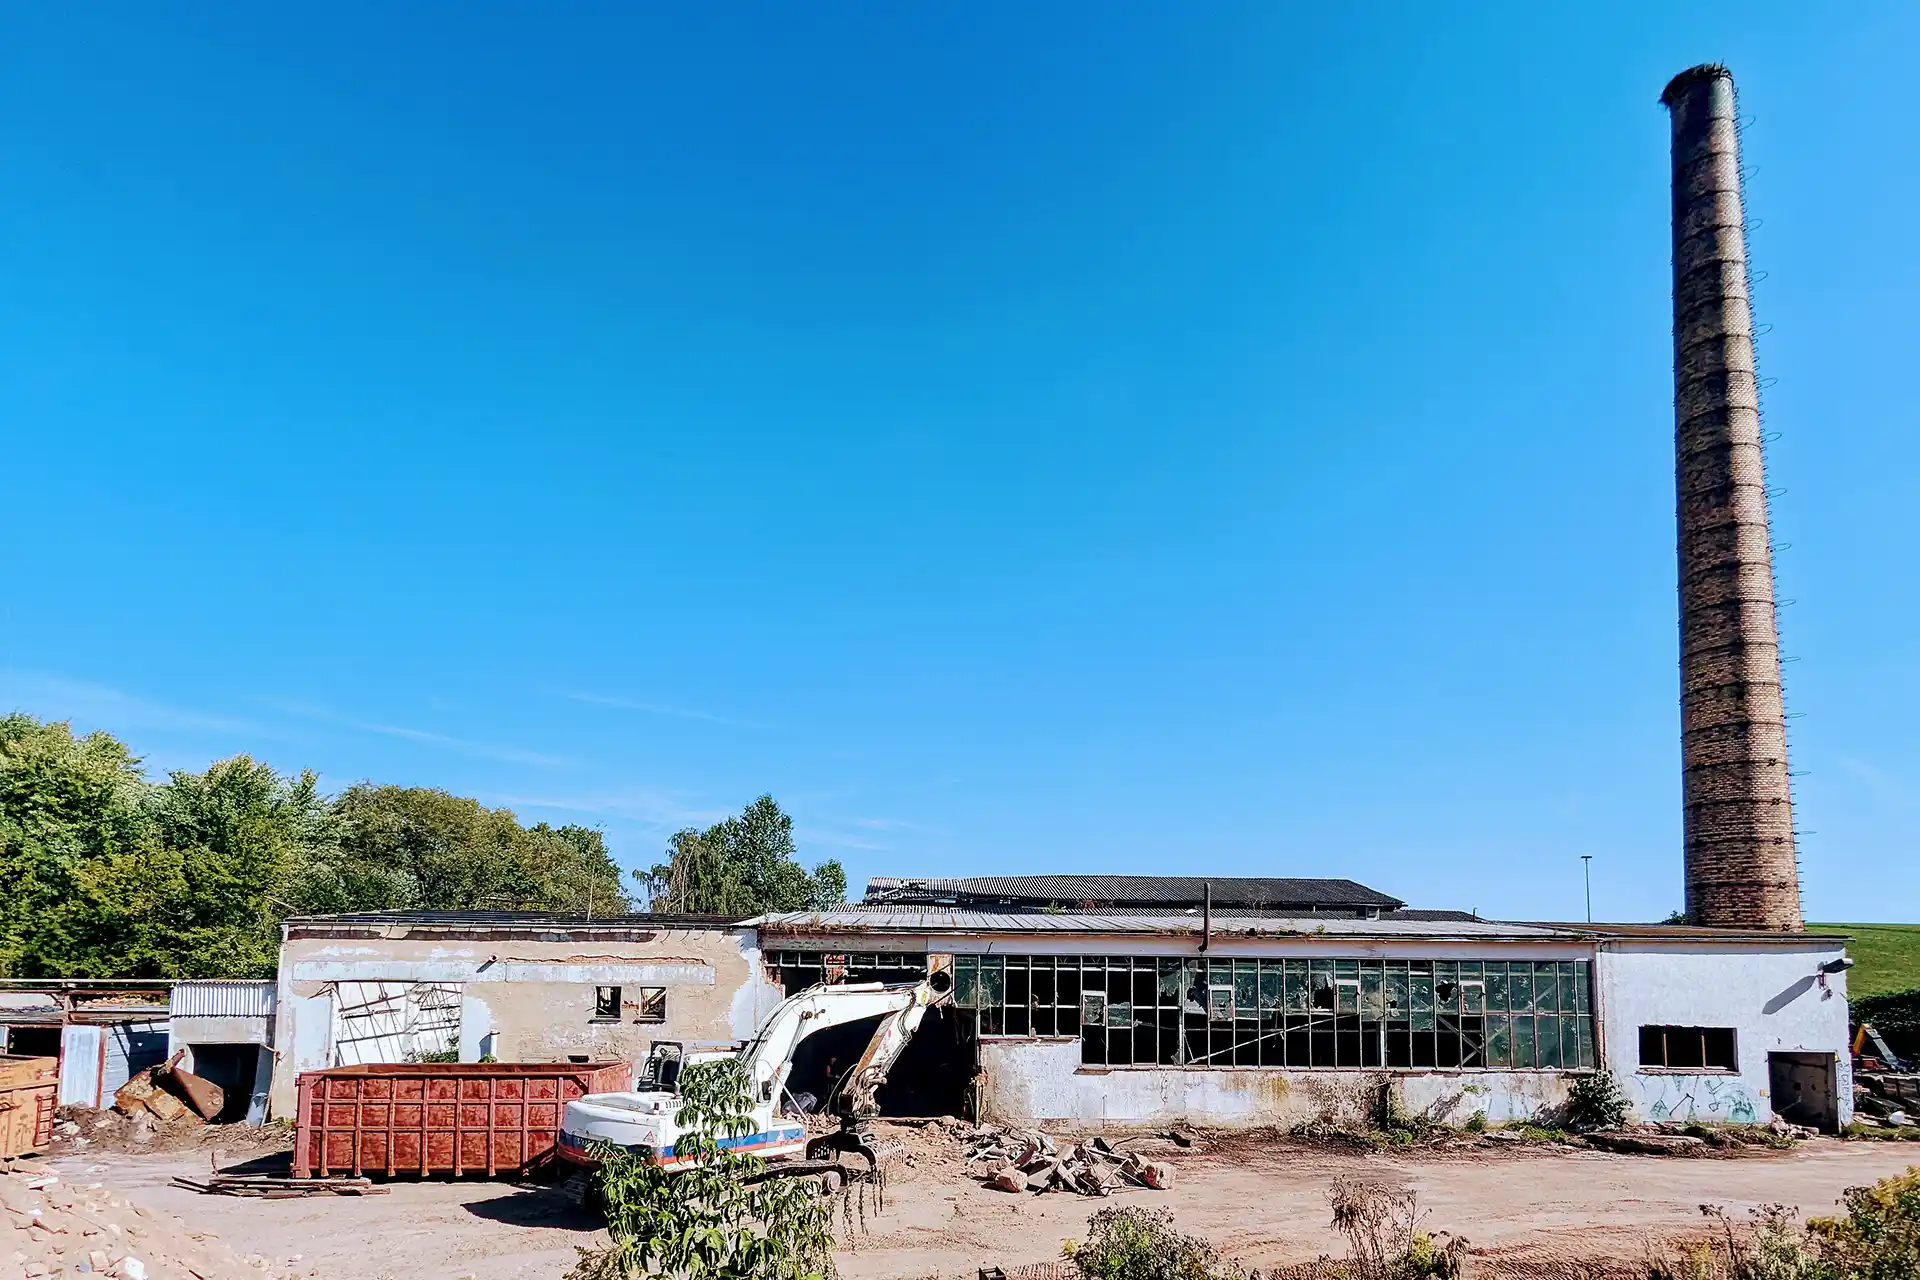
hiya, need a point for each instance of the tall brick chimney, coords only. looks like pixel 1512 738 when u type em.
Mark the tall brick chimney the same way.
pixel 1741 868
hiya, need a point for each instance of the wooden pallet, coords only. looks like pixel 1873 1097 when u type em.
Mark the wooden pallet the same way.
pixel 263 1188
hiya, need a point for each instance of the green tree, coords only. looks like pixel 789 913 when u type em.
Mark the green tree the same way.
pixel 120 878
pixel 419 848
pixel 68 806
pixel 742 866
pixel 110 876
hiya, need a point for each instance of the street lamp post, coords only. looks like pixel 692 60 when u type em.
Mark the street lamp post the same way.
pixel 1586 865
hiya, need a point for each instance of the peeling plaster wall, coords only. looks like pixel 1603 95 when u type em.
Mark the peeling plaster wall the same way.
pixel 1039 1079
pixel 528 1001
pixel 1772 997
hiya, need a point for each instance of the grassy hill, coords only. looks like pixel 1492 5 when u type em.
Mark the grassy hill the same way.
pixel 1887 957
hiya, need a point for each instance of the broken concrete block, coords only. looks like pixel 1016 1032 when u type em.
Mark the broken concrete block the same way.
pixel 1157 1174
pixel 1651 1144
pixel 1008 1180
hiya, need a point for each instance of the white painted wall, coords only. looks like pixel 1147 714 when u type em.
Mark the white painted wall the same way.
pixel 1041 1078
pixel 1773 998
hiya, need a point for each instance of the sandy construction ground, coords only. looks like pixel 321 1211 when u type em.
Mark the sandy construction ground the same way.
pixel 1262 1202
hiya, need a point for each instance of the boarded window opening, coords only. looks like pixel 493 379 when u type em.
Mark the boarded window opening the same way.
pixel 652 1005
pixel 1689 1048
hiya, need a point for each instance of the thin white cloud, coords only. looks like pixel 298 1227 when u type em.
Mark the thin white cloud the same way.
pixel 656 709
pixel 811 836
pixel 664 810
pixel 95 706
pixel 426 737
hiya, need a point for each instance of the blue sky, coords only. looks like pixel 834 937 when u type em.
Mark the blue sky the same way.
pixel 1128 439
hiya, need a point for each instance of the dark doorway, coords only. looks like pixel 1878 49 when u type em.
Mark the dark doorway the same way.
pixel 932 1078
pixel 34 1042
pixel 232 1067
pixel 1802 1089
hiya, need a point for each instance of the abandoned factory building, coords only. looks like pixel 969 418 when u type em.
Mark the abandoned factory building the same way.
pixel 1119 1000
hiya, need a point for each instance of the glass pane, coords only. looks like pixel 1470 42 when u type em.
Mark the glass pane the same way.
pixel 1497 996
pixel 1170 975
pixel 1296 987
pixel 1586 1042
pixel 1373 993
pixel 1568 1003
pixel 1499 1042
pixel 1523 1049
pixel 993 982
pixel 1246 988
pixel 1399 994
pixel 1520 988
pixel 1582 999
pixel 1119 1015
pixel 966 981
pixel 1271 979
pixel 1548 1039
pixel 1473 996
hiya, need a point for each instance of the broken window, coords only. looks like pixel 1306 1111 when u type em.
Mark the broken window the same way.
pixel 795 971
pixel 1201 1011
pixel 1689 1048
pixel 652 1005
pixel 606 1004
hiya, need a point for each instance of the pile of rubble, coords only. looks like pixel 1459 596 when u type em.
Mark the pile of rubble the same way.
pixel 55 1228
pixel 1883 1098
pixel 1020 1160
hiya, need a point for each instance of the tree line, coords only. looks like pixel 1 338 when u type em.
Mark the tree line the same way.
pixel 106 874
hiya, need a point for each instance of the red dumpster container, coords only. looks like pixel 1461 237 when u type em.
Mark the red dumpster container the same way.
pixel 27 1089
pixel 440 1117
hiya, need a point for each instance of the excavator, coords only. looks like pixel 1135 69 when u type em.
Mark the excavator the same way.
pixel 643 1121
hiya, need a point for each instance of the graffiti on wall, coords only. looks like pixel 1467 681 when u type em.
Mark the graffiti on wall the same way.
pixel 1710 1099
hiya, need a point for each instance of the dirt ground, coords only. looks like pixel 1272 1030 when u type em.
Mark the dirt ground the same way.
pixel 1262 1202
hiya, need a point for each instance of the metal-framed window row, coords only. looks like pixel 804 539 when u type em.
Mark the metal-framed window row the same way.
pixel 1186 1011
pixel 798 970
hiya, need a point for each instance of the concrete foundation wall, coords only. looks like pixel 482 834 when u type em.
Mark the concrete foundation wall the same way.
pixel 1042 1079
pixel 1774 999
pixel 529 1001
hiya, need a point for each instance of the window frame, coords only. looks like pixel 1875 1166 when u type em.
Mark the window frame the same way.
pixel 603 995
pixel 1318 1013
pixel 1706 1038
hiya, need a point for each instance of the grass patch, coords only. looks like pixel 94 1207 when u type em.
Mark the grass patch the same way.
pixel 1886 956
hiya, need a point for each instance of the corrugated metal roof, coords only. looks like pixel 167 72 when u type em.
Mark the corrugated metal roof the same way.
pixel 1098 891
pixel 1692 933
pixel 521 919
pixel 909 919
pixel 1435 925
pixel 221 998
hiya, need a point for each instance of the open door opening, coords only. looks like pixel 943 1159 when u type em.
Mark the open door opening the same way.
pixel 932 1078
pixel 1802 1086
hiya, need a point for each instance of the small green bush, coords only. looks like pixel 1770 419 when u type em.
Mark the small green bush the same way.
pixel 1596 1101
pixel 1879 1238
pixel 1476 1123
pixel 1141 1244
